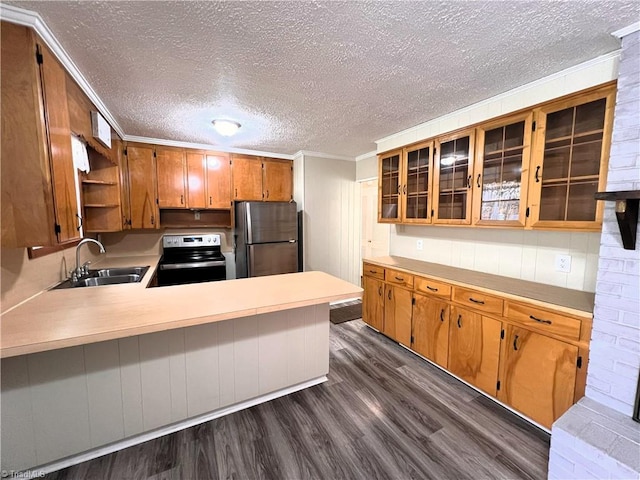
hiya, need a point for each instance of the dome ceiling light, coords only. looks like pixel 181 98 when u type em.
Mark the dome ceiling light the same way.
pixel 226 128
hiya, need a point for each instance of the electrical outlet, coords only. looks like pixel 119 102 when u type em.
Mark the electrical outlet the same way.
pixel 197 215
pixel 419 245
pixel 563 263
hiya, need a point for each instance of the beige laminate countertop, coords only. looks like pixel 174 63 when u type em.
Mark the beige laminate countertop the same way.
pixel 573 301
pixel 77 316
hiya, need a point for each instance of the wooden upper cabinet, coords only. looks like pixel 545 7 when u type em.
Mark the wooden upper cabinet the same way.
pixel 537 374
pixel 277 180
pixel 247 177
pixel 570 157
pixel 453 170
pixel 196 179
pixel 390 187
pixel 218 193
pixel 38 177
pixel 417 167
pixel 142 186
pixel 501 173
pixel 171 177
pixel 474 348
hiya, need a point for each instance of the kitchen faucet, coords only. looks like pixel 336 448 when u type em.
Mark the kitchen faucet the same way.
pixel 81 270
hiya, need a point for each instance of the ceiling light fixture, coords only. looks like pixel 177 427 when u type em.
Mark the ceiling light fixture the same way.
pixel 226 128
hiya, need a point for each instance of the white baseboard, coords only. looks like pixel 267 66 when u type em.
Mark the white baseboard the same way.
pixel 172 428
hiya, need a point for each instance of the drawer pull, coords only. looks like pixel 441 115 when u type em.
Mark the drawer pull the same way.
pixel 442 315
pixel 480 302
pixel 515 342
pixel 539 320
pixel 433 289
pixel 373 271
pixel 400 279
pixel 459 318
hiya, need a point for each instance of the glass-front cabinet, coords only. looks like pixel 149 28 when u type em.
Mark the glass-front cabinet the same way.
pixel 571 153
pixel 500 179
pixel 416 192
pixel 390 187
pixel 453 167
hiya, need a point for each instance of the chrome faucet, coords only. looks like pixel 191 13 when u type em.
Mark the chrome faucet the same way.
pixel 81 270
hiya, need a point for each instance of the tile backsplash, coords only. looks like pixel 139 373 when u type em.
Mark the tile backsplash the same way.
pixel 527 255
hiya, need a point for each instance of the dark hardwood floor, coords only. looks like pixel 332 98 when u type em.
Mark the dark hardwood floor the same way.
pixel 384 413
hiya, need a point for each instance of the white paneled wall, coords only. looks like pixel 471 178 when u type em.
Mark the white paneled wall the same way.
pixel 67 401
pixel 332 217
pixel 527 255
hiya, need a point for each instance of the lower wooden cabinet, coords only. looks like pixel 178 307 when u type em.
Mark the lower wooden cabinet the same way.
pixel 373 302
pixel 474 348
pixel 397 314
pixel 531 358
pixel 431 329
pixel 537 374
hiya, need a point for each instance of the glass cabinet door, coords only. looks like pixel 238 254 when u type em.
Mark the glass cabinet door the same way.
pixel 503 158
pixel 453 167
pixel 416 190
pixel 389 188
pixel 573 145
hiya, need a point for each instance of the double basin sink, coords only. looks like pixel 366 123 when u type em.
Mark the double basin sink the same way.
pixel 106 276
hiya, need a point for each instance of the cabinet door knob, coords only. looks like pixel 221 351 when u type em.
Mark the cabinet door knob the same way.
pixel 442 315
pixel 515 342
pixel 210 200
pixel 404 189
pixel 181 199
pixel 267 193
pixel 478 181
pixel 79 222
pixel 380 291
pixel 153 220
pixel 538 174
pixel 389 296
pixel 459 321
pixel 469 181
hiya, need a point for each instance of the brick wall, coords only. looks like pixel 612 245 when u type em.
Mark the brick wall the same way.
pixel 596 438
pixel 615 344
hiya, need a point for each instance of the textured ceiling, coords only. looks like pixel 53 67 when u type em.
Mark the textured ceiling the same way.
pixel 324 76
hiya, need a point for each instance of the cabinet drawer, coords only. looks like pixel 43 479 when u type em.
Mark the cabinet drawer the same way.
pixel 543 320
pixel 432 287
pixel 398 278
pixel 369 270
pixel 477 300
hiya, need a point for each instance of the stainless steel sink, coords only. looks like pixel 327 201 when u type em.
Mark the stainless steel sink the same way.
pixel 110 280
pixel 106 276
pixel 117 272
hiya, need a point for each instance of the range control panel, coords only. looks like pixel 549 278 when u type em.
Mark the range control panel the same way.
pixel 186 241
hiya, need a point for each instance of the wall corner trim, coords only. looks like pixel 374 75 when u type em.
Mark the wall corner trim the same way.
pixel 31 19
pixel 628 30
pixel 364 156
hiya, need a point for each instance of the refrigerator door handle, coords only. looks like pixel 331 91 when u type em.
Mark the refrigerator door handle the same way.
pixel 249 231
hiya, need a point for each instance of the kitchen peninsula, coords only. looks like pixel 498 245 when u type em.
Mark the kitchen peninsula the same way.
pixel 84 368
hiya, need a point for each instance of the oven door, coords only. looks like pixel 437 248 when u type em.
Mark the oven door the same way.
pixel 191 272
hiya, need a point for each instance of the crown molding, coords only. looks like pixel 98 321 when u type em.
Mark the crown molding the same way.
pixel 628 30
pixel 31 19
pixel 542 81
pixel 204 146
pixel 329 156
pixel 364 156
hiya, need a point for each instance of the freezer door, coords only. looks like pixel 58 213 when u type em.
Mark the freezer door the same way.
pixel 272 258
pixel 271 222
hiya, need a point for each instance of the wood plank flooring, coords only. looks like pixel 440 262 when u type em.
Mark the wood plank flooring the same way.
pixel 383 414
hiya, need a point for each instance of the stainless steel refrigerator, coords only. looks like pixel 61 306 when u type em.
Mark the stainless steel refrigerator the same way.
pixel 266 235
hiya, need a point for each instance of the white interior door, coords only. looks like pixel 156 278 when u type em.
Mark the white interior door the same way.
pixel 375 236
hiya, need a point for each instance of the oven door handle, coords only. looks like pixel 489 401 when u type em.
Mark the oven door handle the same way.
pixel 178 266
